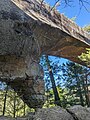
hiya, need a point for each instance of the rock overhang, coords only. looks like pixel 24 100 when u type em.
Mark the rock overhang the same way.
pixel 25 22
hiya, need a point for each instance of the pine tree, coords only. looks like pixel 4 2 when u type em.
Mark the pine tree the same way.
pixel 76 82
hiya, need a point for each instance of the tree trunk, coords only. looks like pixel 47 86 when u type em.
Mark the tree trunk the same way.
pixel 14 105
pixel 87 95
pixel 79 88
pixel 24 109
pixel 56 95
pixel 85 91
pixel 5 98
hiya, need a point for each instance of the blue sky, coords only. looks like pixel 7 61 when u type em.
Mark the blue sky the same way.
pixel 82 17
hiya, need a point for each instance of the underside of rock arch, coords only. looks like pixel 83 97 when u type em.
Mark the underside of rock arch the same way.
pixel 28 29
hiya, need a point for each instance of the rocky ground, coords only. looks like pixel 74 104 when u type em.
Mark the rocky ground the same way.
pixel 56 113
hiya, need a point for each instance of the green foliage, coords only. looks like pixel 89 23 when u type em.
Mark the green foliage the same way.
pixel 9 109
pixel 50 97
pixel 70 79
pixel 76 82
pixel 86 57
pixel 72 83
pixel 74 18
pixel 54 91
pixel 87 28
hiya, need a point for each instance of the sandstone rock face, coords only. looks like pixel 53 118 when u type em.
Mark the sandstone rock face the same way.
pixel 30 90
pixel 26 80
pixel 19 61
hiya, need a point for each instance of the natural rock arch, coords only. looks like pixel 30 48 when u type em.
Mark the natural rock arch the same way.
pixel 29 29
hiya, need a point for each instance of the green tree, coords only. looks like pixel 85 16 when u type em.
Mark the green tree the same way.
pixel 86 57
pixel 5 99
pixel 10 102
pixel 54 91
pixel 75 81
pixel 56 95
pixel 87 28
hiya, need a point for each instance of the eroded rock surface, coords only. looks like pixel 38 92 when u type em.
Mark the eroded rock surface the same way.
pixel 80 112
pixel 19 57
pixel 29 28
pixel 56 113
pixel 25 77
pixel 6 118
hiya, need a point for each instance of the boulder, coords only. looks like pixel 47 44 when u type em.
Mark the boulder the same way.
pixel 6 118
pixel 55 113
pixel 79 112
pixel 88 109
